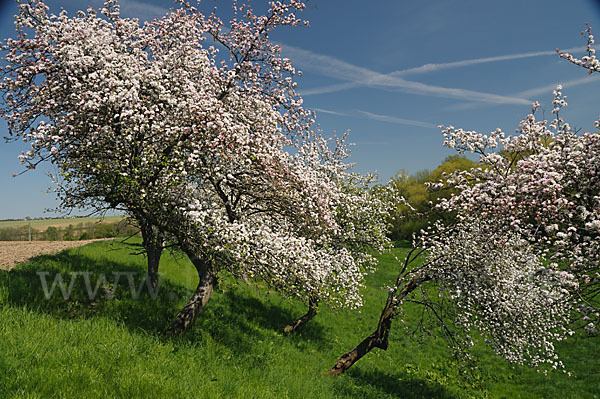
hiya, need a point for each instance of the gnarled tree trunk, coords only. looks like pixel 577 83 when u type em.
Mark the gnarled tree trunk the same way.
pixel 312 312
pixel 207 280
pixel 379 338
pixel 153 242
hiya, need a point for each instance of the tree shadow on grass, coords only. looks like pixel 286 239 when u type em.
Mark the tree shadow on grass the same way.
pixel 395 384
pixel 239 320
pixel 108 294
pixel 235 318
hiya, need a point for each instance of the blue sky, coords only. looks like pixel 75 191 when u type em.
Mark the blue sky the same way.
pixel 391 71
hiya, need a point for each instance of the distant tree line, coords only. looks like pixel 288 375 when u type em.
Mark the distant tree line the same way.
pixel 79 231
pixel 408 219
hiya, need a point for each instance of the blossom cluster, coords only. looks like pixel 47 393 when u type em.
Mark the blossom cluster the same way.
pixel 499 286
pixel 589 62
pixel 543 182
pixel 522 261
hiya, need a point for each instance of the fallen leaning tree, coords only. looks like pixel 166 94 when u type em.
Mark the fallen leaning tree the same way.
pixel 535 196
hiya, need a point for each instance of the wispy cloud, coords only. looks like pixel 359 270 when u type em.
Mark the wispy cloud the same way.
pixel 144 11
pixel 426 68
pixel 328 66
pixel 547 89
pixel 362 77
pixel 535 92
pixel 327 111
pixel 378 143
pixel 379 117
pixel 399 121
pixel 141 10
pixel 355 75
pixel 329 89
pixel 455 93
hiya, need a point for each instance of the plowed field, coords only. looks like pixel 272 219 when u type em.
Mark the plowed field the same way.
pixel 14 252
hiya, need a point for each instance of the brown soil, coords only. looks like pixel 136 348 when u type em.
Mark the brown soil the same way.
pixel 14 252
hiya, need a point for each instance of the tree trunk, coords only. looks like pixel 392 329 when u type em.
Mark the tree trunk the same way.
pixel 245 278
pixel 207 280
pixel 153 262
pixel 380 337
pixel 312 312
pixel 153 242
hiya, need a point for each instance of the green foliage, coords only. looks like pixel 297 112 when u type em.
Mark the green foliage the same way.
pixel 408 221
pixel 69 233
pixel 404 230
pixel 114 348
pixel 449 165
pixel 52 233
pixel 104 231
pixel 85 236
pixel 14 233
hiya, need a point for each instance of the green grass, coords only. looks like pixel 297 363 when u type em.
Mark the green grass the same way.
pixel 43 224
pixel 114 348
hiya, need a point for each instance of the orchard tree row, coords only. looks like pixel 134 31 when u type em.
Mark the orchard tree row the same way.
pixel 193 128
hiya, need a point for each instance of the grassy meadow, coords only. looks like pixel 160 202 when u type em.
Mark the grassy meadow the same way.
pixel 113 348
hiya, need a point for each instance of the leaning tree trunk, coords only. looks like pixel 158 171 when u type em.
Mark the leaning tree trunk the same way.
pixel 207 280
pixel 312 312
pixel 380 337
pixel 153 242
